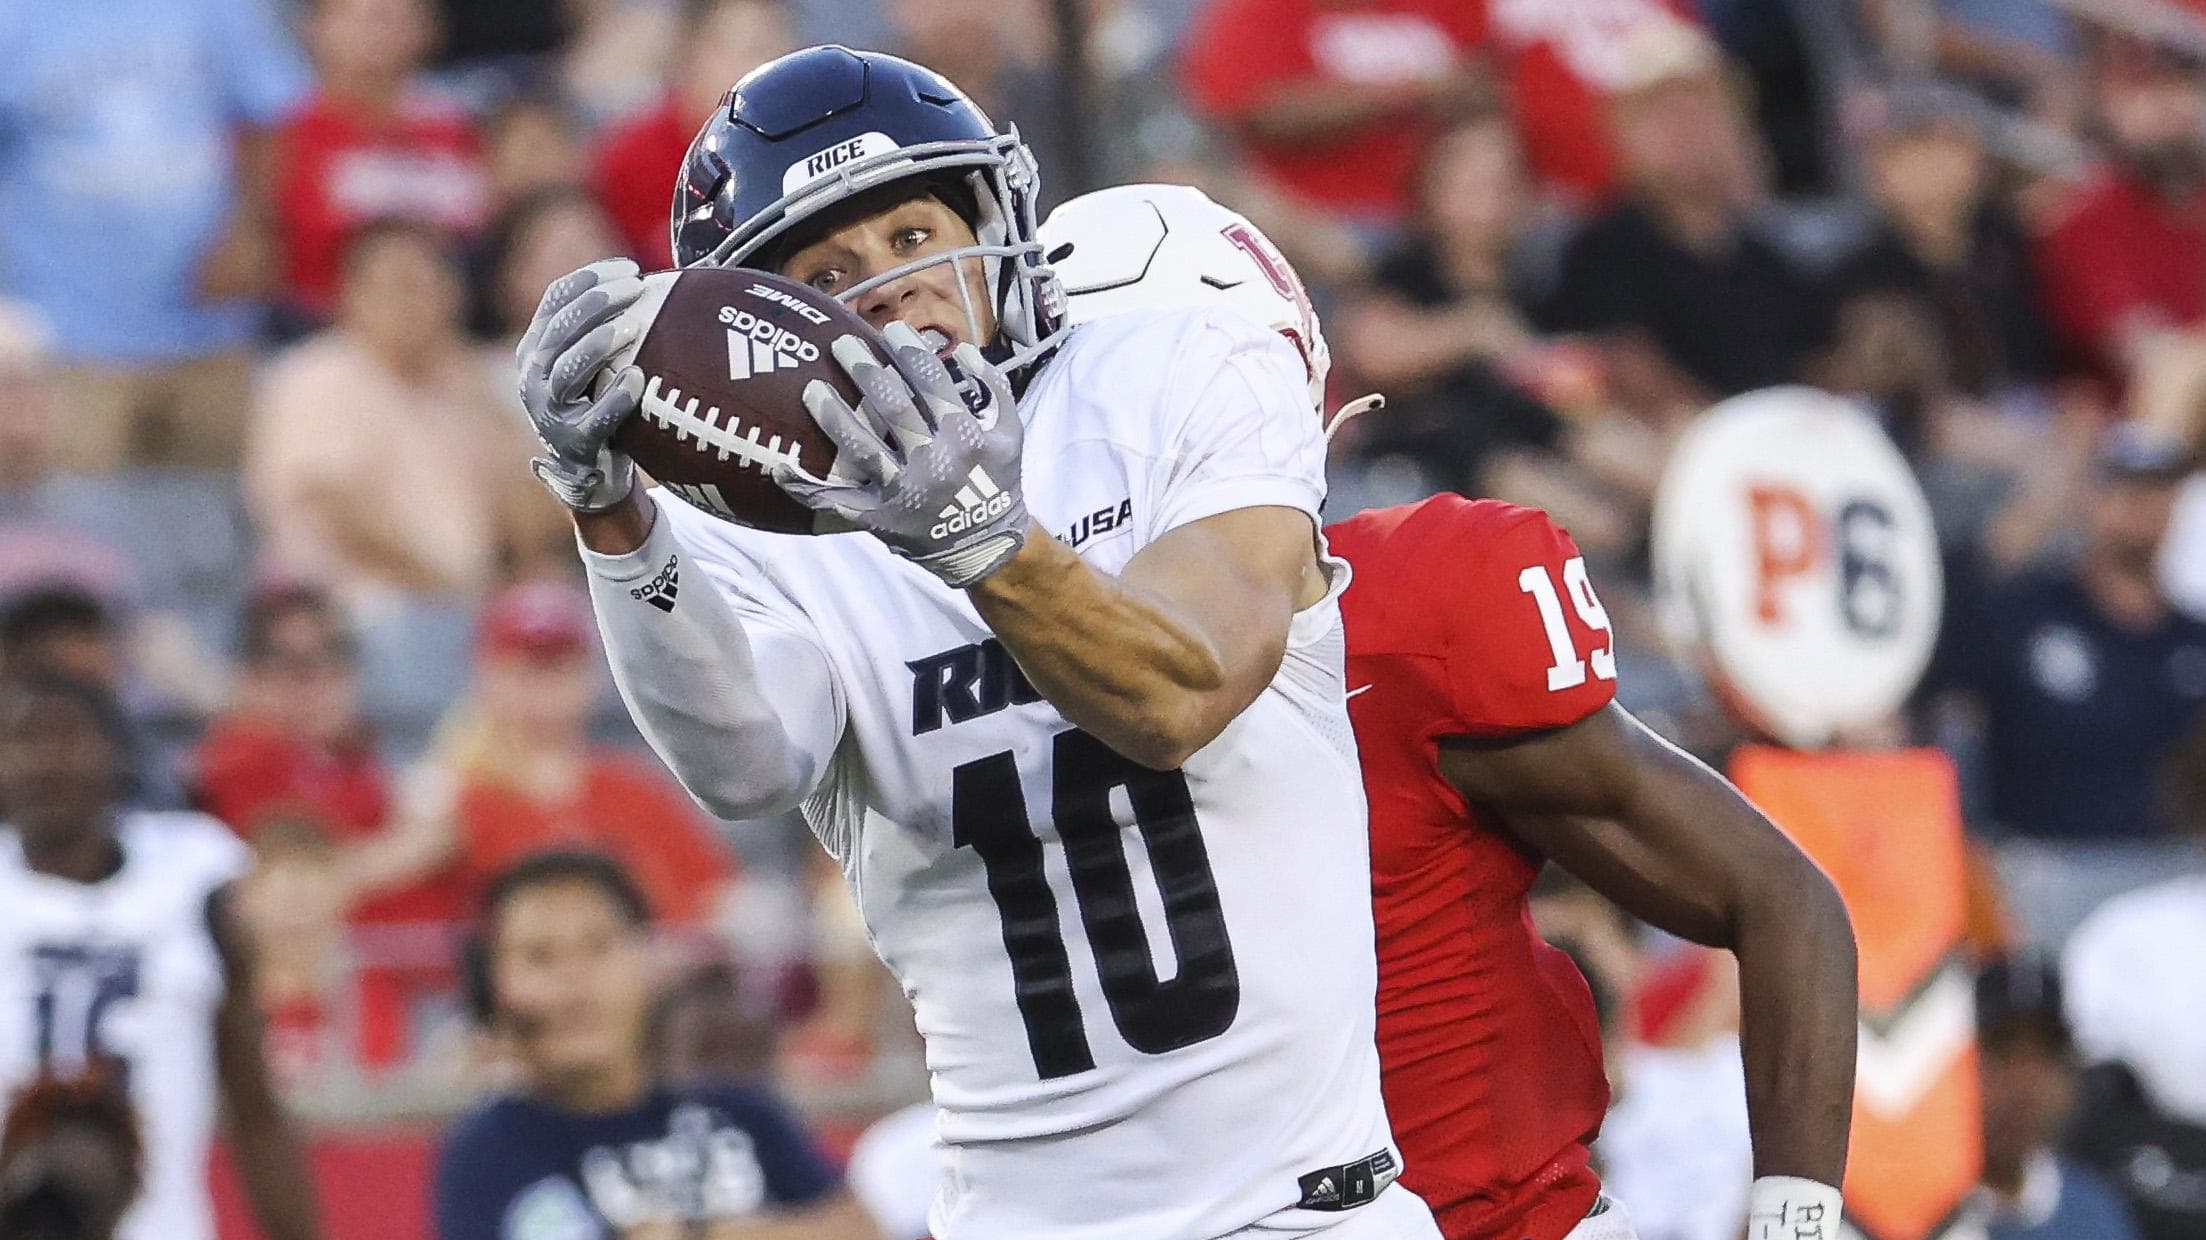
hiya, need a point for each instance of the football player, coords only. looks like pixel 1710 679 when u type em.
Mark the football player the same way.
pixel 1483 674
pixel 1067 706
pixel 121 953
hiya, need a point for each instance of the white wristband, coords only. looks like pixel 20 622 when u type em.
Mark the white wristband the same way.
pixel 1788 1207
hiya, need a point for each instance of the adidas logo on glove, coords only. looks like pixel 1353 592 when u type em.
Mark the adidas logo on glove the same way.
pixel 756 346
pixel 978 503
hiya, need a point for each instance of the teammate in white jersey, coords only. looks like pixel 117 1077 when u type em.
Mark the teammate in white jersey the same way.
pixel 1084 754
pixel 119 949
pixel 1135 248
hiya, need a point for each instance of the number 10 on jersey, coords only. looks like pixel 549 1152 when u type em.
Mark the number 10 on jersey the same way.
pixel 989 815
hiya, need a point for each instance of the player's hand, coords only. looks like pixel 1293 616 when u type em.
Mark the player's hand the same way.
pixel 580 326
pixel 928 462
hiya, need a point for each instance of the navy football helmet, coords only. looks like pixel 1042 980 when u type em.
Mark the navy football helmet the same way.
pixel 801 134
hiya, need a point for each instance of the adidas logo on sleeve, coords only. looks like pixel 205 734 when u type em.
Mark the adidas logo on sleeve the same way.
pixel 661 590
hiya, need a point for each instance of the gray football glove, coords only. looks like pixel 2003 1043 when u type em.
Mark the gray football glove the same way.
pixel 579 326
pixel 929 461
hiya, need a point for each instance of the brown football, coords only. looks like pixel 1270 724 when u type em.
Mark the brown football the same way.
pixel 726 356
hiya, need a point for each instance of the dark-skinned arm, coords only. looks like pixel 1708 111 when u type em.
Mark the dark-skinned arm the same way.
pixel 1156 661
pixel 270 1157
pixel 1677 846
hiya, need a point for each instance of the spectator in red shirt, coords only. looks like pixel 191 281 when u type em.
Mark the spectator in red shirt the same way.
pixel 369 145
pixel 293 744
pixel 292 905
pixel 514 770
pixel 1558 60
pixel 2126 263
pixel 635 167
pixel 294 754
pixel 1336 99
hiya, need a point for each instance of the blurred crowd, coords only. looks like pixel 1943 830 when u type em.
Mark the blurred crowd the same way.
pixel 262 472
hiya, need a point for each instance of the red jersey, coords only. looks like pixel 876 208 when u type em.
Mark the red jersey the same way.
pixel 1554 59
pixel 1240 52
pixel 626 808
pixel 337 169
pixel 1473 619
pixel 2122 251
pixel 247 772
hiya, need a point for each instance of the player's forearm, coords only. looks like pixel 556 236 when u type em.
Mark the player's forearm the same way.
pixel 270 1158
pixel 1798 996
pixel 271 1163
pixel 1779 915
pixel 1679 847
pixel 1115 662
pixel 619 530
pixel 688 672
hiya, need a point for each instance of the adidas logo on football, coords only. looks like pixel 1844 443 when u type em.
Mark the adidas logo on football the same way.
pixel 978 503
pixel 756 346
pixel 661 590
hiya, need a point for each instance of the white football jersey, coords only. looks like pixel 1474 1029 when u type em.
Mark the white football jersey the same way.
pixel 126 968
pixel 1146 996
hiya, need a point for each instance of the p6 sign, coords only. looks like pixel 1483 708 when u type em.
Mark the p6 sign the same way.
pixel 1795 561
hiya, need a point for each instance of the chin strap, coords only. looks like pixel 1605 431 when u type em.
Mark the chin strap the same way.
pixel 1021 365
pixel 1353 409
